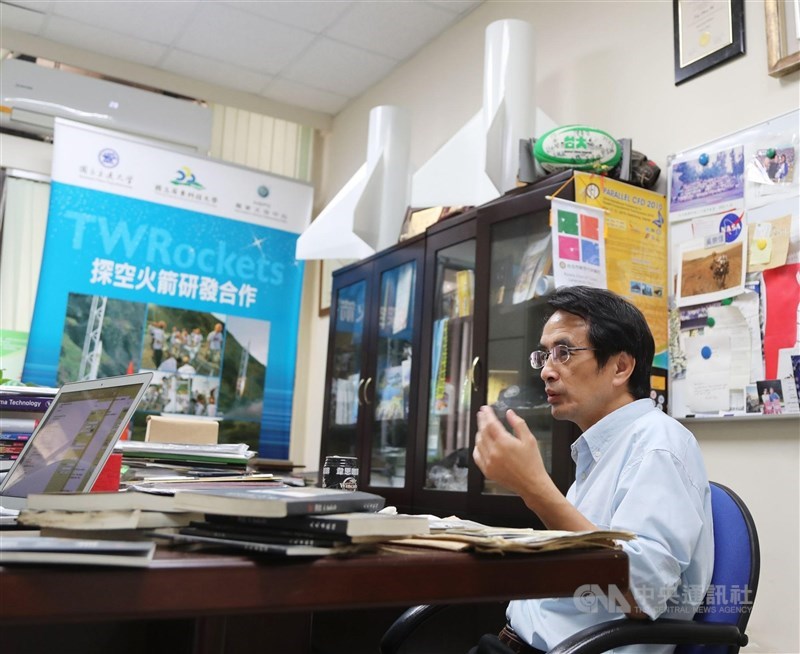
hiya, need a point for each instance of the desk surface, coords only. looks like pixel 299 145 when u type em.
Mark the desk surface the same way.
pixel 192 585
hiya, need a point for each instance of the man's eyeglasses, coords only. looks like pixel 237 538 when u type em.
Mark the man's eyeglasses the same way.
pixel 559 354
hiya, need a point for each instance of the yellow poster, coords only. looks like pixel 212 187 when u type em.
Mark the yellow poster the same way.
pixel 636 247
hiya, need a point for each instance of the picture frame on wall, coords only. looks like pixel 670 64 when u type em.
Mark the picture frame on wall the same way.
pixel 783 36
pixel 707 33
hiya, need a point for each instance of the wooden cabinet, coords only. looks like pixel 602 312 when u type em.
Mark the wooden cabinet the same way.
pixel 472 323
pixel 373 351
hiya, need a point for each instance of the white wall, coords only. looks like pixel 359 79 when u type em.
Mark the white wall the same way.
pixel 610 65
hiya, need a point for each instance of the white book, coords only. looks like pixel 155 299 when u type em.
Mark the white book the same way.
pixel 75 551
pixel 100 501
pixel 106 519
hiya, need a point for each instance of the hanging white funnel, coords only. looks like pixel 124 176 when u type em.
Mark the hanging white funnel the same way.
pixel 366 215
pixel 509 76
pixel 481 160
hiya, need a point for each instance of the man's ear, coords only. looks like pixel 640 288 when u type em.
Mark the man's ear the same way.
pixel 623 369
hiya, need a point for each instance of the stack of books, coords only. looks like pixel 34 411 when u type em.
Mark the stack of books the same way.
pixel 303 521
pixel 258 516
pixel 124 515
pixel 21 408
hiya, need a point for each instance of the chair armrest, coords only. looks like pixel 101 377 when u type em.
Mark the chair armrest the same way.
pixel 616 633
pixel 406 624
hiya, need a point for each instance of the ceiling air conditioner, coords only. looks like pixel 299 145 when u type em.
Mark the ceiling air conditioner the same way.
pixel 32 96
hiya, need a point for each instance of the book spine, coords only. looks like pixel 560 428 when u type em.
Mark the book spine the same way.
pixel 265 548
pixel 331 506
pixel 310 524
pixel 11 445
pixel 18 425
pixel 14 436
pixel 25 403
pixel 265 537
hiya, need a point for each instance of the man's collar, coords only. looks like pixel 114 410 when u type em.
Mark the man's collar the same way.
pixel 599 436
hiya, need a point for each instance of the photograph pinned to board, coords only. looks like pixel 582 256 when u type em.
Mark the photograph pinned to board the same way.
pixel 772 168
pixel 752 399
pixel 708 183
pixel 773 165
pixel 578 233
pixel 770 396
pixel 710 269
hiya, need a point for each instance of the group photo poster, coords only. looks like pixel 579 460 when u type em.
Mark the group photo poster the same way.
pixel 180 264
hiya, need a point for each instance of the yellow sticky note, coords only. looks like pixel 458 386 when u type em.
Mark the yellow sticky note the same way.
pixel 760 251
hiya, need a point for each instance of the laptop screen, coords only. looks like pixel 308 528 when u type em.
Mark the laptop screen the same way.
pixel 75 437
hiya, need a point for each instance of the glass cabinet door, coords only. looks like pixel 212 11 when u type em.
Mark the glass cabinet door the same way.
pixel 346 384
pixel 447 438
pixel 392 376
pixel 520 278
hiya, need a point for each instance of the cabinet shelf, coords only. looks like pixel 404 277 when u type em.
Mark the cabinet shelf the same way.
pixel 525 306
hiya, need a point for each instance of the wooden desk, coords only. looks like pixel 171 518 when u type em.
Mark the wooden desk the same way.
pixel 207 588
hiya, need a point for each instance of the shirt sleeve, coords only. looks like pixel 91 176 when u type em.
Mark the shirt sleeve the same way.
pixel 657 500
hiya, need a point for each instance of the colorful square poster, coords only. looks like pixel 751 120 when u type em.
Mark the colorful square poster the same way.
pixel 579 256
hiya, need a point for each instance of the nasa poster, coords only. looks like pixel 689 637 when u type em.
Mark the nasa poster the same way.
pixel 158 260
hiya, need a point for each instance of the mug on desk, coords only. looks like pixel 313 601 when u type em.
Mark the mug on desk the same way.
pixel 340 472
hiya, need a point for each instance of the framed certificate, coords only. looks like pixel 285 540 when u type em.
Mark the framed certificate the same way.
pixel 707 33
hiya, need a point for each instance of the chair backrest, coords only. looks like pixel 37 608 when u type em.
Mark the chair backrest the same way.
pixel 737 561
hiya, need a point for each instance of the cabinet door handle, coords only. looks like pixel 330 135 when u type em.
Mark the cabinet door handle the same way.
pixel 472 370
pixel 358 392
pixel 366 386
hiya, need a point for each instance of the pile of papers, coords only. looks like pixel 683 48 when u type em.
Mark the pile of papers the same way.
pixel 463 535
pixel 147 460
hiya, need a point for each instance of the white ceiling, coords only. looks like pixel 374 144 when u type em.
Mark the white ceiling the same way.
pixel 315 54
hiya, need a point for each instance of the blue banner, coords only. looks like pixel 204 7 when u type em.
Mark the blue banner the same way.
pixel 210 303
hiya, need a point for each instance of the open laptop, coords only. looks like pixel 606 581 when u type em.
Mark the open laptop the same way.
pixel 74 438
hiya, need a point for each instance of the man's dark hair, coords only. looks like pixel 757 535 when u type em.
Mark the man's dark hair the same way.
pixel 615 325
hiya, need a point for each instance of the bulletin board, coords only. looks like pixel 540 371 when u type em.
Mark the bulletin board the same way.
pixel 734 228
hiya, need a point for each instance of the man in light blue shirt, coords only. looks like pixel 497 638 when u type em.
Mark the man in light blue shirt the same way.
pixel 637 469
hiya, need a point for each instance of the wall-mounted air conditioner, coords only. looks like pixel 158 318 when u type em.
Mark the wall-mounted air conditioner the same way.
pixel 32 96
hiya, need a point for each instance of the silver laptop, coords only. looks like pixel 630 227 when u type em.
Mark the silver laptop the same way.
pixel 74 438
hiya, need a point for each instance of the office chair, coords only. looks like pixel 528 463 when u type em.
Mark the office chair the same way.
pixel 719 624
